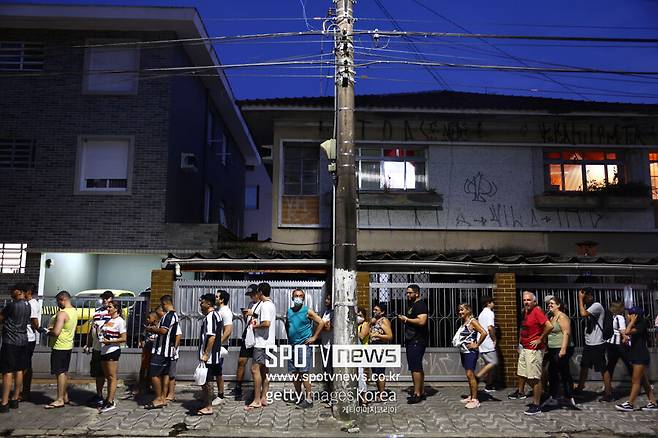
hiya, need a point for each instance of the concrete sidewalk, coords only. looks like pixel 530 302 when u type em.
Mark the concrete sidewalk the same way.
pixel 440 415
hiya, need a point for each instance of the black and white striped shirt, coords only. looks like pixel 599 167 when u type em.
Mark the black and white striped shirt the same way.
pixel 211 325
pixel 618 323
pixel 164 344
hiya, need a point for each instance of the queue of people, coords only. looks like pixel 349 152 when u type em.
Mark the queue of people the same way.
pixel 546 346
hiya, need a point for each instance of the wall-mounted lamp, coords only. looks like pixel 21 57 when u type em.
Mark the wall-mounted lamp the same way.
pixel 177 272
pixel 49 263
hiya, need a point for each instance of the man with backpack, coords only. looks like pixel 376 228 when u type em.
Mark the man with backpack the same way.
pixel 594 350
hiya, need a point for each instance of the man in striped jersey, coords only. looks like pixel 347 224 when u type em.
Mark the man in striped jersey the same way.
pixel 94 347
pixel 209 349
pixel 226 320
pixel 163 351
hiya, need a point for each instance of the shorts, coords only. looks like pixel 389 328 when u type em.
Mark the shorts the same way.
pixel 593 356
pixel 173 365
pixel 377 371
pixel 59 361
pixel 215 370
pixel 469 360
pixel 30 352
pixel 530 364
pixel 415 353
pixel 644 362
pixel 259 356
pixel 95 369
pixel 159 365
pixel 302 359
pixel 246 352
pixel 111 357
pixel 13 358
pixel 615 352
pixel 489 357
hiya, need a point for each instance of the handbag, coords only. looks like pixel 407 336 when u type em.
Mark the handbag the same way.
pixel 200 374
pixel 457 338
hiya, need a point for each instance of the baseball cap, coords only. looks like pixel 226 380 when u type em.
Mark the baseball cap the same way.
pixel 636 310
pixel 251 289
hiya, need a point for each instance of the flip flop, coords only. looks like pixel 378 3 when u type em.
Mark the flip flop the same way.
pixel 249 408
pixel 200 413
pixel 151 406
pixel 52 406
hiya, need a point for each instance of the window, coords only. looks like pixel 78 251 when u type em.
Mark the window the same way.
pixel 215 137
pixel 21 56
pixel 391 168
pixel 16 153
pixel 582 170
pixel 111 70
pixel 207 199
pixel 104 164
pixel 251 197
pixel 301 171
pixel 12 258
pixel 653 171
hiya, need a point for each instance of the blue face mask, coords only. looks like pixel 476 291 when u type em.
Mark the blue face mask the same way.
pixel 298 301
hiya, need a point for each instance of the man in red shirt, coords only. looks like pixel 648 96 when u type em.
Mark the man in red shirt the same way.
pixel 534 327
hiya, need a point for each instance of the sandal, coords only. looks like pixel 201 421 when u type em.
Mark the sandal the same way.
pixel 249 408
pixel 202 412
pixel 53 406
pixel 151 406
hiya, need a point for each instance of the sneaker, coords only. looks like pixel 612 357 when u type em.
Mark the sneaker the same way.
pixel 414 399
pixel 650 407
pixel 569 402
pixel 466 400
pixel 13 404
pixel 489 388
pixel 516 395
pixel 4 408
pixel 474 403
pixel 107 407
pixel 533 410
pixel 305 404
pixel 218 401
pixel 607 399
pixel 625 407
pixel 550 401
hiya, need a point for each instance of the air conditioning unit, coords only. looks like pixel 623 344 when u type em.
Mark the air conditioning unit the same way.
pixel 188 162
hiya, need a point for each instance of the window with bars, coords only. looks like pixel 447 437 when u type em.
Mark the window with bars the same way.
pixel 301 170
pixel 12 258
pixel 17 153
pixel 21 56
pixel 653 171
pixel 383 168
pixel 582 170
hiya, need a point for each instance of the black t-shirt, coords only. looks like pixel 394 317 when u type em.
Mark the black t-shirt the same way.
pixel 639 349
pixel 17 317
pixel 416 334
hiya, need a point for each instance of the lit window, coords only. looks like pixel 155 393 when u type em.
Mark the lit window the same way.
pixel 391 168
pixel 653 171
pixel 104 164
pixel 111 69
pixel 12 258
pixel 21 56
pixel 582 170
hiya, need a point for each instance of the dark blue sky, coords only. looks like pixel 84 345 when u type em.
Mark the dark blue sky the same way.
pixel 597 18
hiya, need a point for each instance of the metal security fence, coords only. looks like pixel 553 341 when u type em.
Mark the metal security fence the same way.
pixel 188 292
pixel 630 294
pixel 442 301
pixel 133 311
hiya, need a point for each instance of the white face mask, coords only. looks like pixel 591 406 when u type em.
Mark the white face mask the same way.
pixel 298 301
pixel 360 319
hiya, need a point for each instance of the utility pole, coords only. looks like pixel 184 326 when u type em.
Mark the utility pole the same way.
pixel 344 274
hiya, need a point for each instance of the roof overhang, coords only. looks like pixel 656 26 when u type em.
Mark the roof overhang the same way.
pixel 184 21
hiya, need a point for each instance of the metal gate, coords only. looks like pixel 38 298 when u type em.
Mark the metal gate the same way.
pixel 188 292
pixel 442 301
pixel 630 294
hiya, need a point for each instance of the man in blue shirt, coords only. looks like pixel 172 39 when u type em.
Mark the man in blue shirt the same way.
pixel 299 326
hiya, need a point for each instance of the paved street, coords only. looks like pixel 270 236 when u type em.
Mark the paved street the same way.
pixel 440 415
